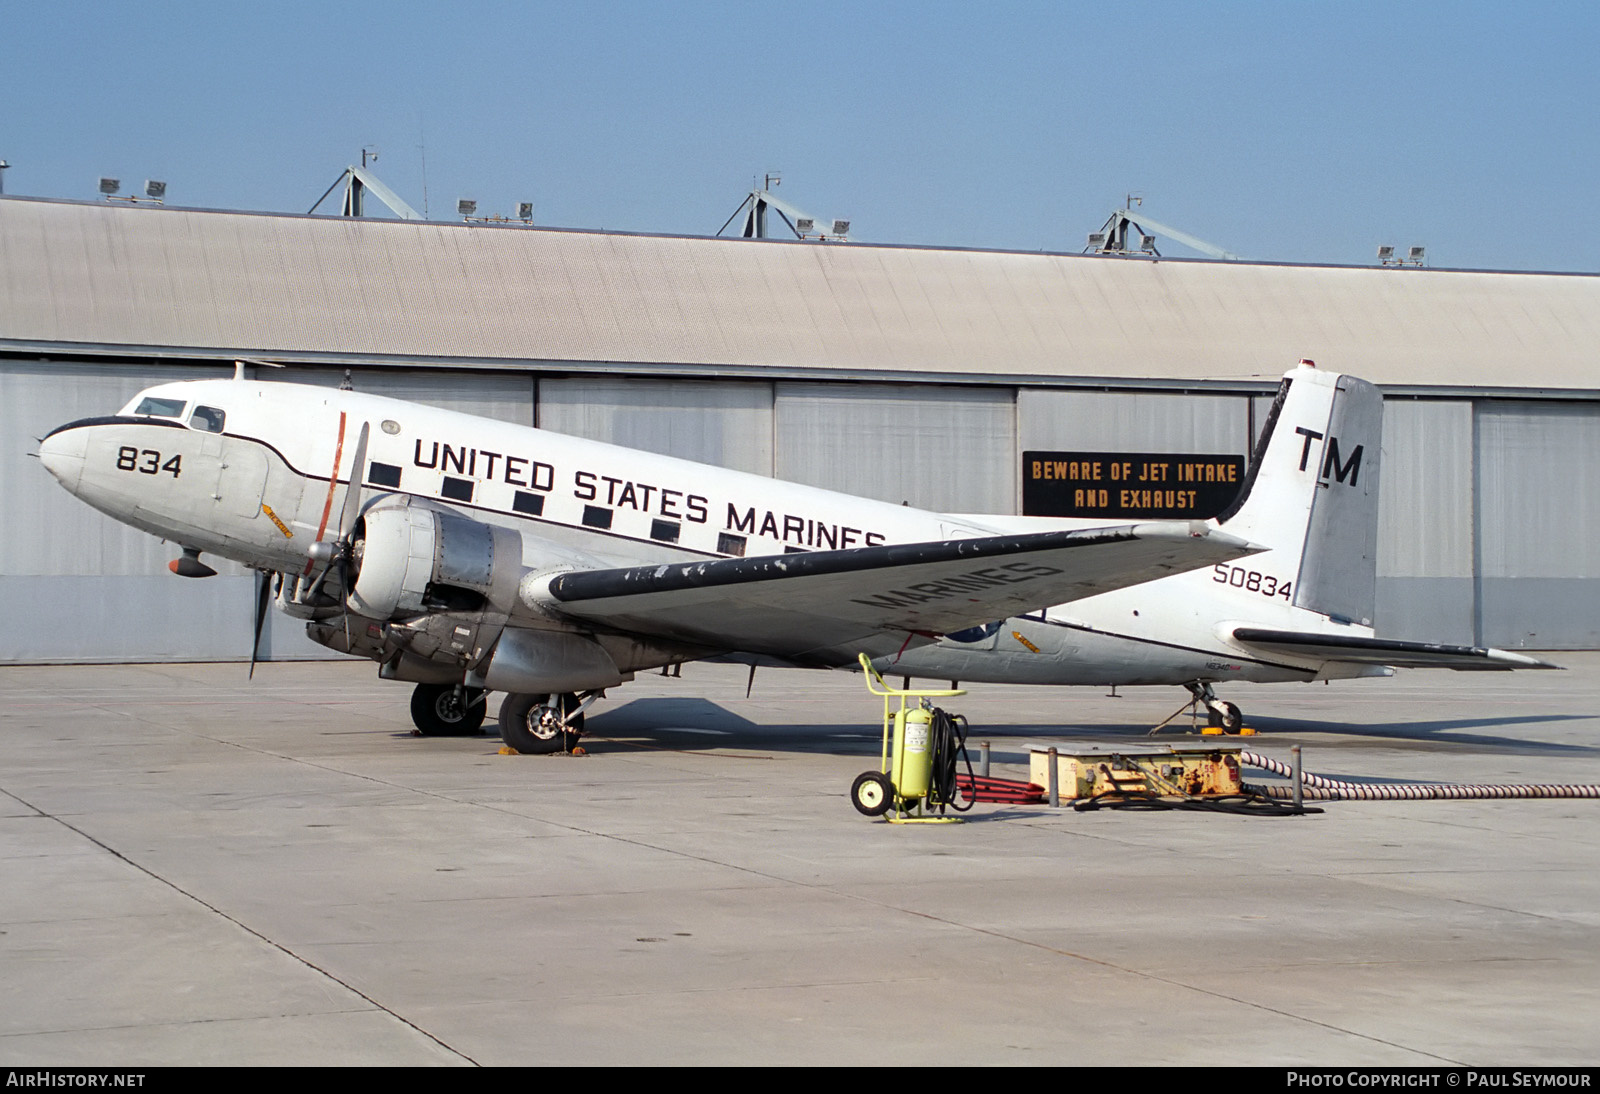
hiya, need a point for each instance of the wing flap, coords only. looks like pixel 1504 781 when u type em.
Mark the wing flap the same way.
pixel 825 606
pixel 1386 651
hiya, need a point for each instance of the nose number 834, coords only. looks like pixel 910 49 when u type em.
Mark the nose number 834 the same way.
pixel 146 461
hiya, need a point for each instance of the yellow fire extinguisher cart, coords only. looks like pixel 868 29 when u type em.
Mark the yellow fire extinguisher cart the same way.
pixel 904 779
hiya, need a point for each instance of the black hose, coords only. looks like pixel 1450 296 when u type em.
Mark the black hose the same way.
pixel 1249 803
pixel 947 735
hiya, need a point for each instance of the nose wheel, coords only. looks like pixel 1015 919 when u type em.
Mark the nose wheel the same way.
pixel 1219 713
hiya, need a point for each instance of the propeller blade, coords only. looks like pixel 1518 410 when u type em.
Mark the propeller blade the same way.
pixel 352 495
pixel 263 596
pixel 344 602
pixel 347 524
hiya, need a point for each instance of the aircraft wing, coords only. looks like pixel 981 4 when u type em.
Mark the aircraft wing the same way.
pixel 823 607
pixel 1385 651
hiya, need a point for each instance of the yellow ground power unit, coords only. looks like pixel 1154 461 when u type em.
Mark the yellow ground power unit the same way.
pixel 1147 773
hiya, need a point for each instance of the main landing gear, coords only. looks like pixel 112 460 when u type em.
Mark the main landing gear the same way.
pixel 1220 713
pixel 542 724
pixel 447 710
pixel 532 724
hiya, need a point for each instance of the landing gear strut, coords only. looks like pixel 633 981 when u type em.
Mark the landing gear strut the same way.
pixel 1220 713
pixel 541 724
pixel 447 710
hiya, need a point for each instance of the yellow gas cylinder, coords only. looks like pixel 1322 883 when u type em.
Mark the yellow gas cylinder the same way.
pixel 912 772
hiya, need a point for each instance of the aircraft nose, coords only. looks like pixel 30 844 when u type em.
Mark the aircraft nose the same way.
pixel 62 454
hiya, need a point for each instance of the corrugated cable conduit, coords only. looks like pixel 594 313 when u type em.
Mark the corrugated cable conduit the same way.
pixel 1321 788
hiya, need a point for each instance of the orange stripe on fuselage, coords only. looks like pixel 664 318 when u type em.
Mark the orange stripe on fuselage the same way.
pixel 333 484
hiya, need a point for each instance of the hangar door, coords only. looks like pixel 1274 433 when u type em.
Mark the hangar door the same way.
pixel 725 423
pixel 951 449
pixel 1538 494
pixel 1425 520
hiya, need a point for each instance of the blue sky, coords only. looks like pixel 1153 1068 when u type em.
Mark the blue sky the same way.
pixel 1298 132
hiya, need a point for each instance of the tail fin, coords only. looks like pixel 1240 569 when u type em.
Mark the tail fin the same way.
pixel 1311 493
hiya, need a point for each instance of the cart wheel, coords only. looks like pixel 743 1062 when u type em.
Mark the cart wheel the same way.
pixel 871 793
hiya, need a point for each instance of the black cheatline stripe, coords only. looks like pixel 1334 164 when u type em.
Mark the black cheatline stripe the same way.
pixel 118 419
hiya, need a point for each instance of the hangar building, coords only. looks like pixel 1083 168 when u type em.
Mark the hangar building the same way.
pixel 916 374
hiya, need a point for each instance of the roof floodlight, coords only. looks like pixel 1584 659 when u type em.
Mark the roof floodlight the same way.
pixel 1097 240
pixel 110 186
pixel 524 210
pixel 1147 243
pixel 805 224
pixel 155 188
pixel 1417 254
pixel 1385 253
pixel 466 208
pixel 841 227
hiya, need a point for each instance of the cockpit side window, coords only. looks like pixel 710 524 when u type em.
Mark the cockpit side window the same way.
pixel 152 406
pixel 207 418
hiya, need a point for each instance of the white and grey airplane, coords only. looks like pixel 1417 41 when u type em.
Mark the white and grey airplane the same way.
pixel 467 556
pixel 1303 609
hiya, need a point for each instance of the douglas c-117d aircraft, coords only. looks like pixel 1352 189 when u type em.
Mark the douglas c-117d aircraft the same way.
pixel 468 556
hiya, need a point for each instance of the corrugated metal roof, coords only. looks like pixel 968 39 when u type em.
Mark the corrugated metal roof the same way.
pixel 91 274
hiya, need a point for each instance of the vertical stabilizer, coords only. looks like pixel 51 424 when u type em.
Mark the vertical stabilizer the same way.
pixel 1311 493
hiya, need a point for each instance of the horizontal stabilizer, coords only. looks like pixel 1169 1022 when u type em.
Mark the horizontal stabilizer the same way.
pixel 1386 651
pixel 824 607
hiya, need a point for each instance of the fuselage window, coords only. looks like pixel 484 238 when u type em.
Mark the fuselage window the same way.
pixel 152 407
pixel 207 418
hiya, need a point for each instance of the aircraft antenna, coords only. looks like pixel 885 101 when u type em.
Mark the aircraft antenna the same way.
pixel 422 152
pixel 240 364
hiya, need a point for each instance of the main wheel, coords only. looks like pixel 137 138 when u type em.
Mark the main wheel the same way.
pixel 872 793
pixel 528 724
pixel 445 710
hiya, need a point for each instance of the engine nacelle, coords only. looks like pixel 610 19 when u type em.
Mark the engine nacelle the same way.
pixel 416 559
pixel 432 596
pixel 549 662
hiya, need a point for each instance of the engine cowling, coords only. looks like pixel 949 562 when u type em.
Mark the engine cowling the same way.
pixel 438 590
pixel 415 559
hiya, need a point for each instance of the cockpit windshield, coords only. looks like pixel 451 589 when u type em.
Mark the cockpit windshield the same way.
pixel 152 406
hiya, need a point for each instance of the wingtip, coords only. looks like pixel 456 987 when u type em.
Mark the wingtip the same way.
pixel 1237 546
pixel 1522 660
